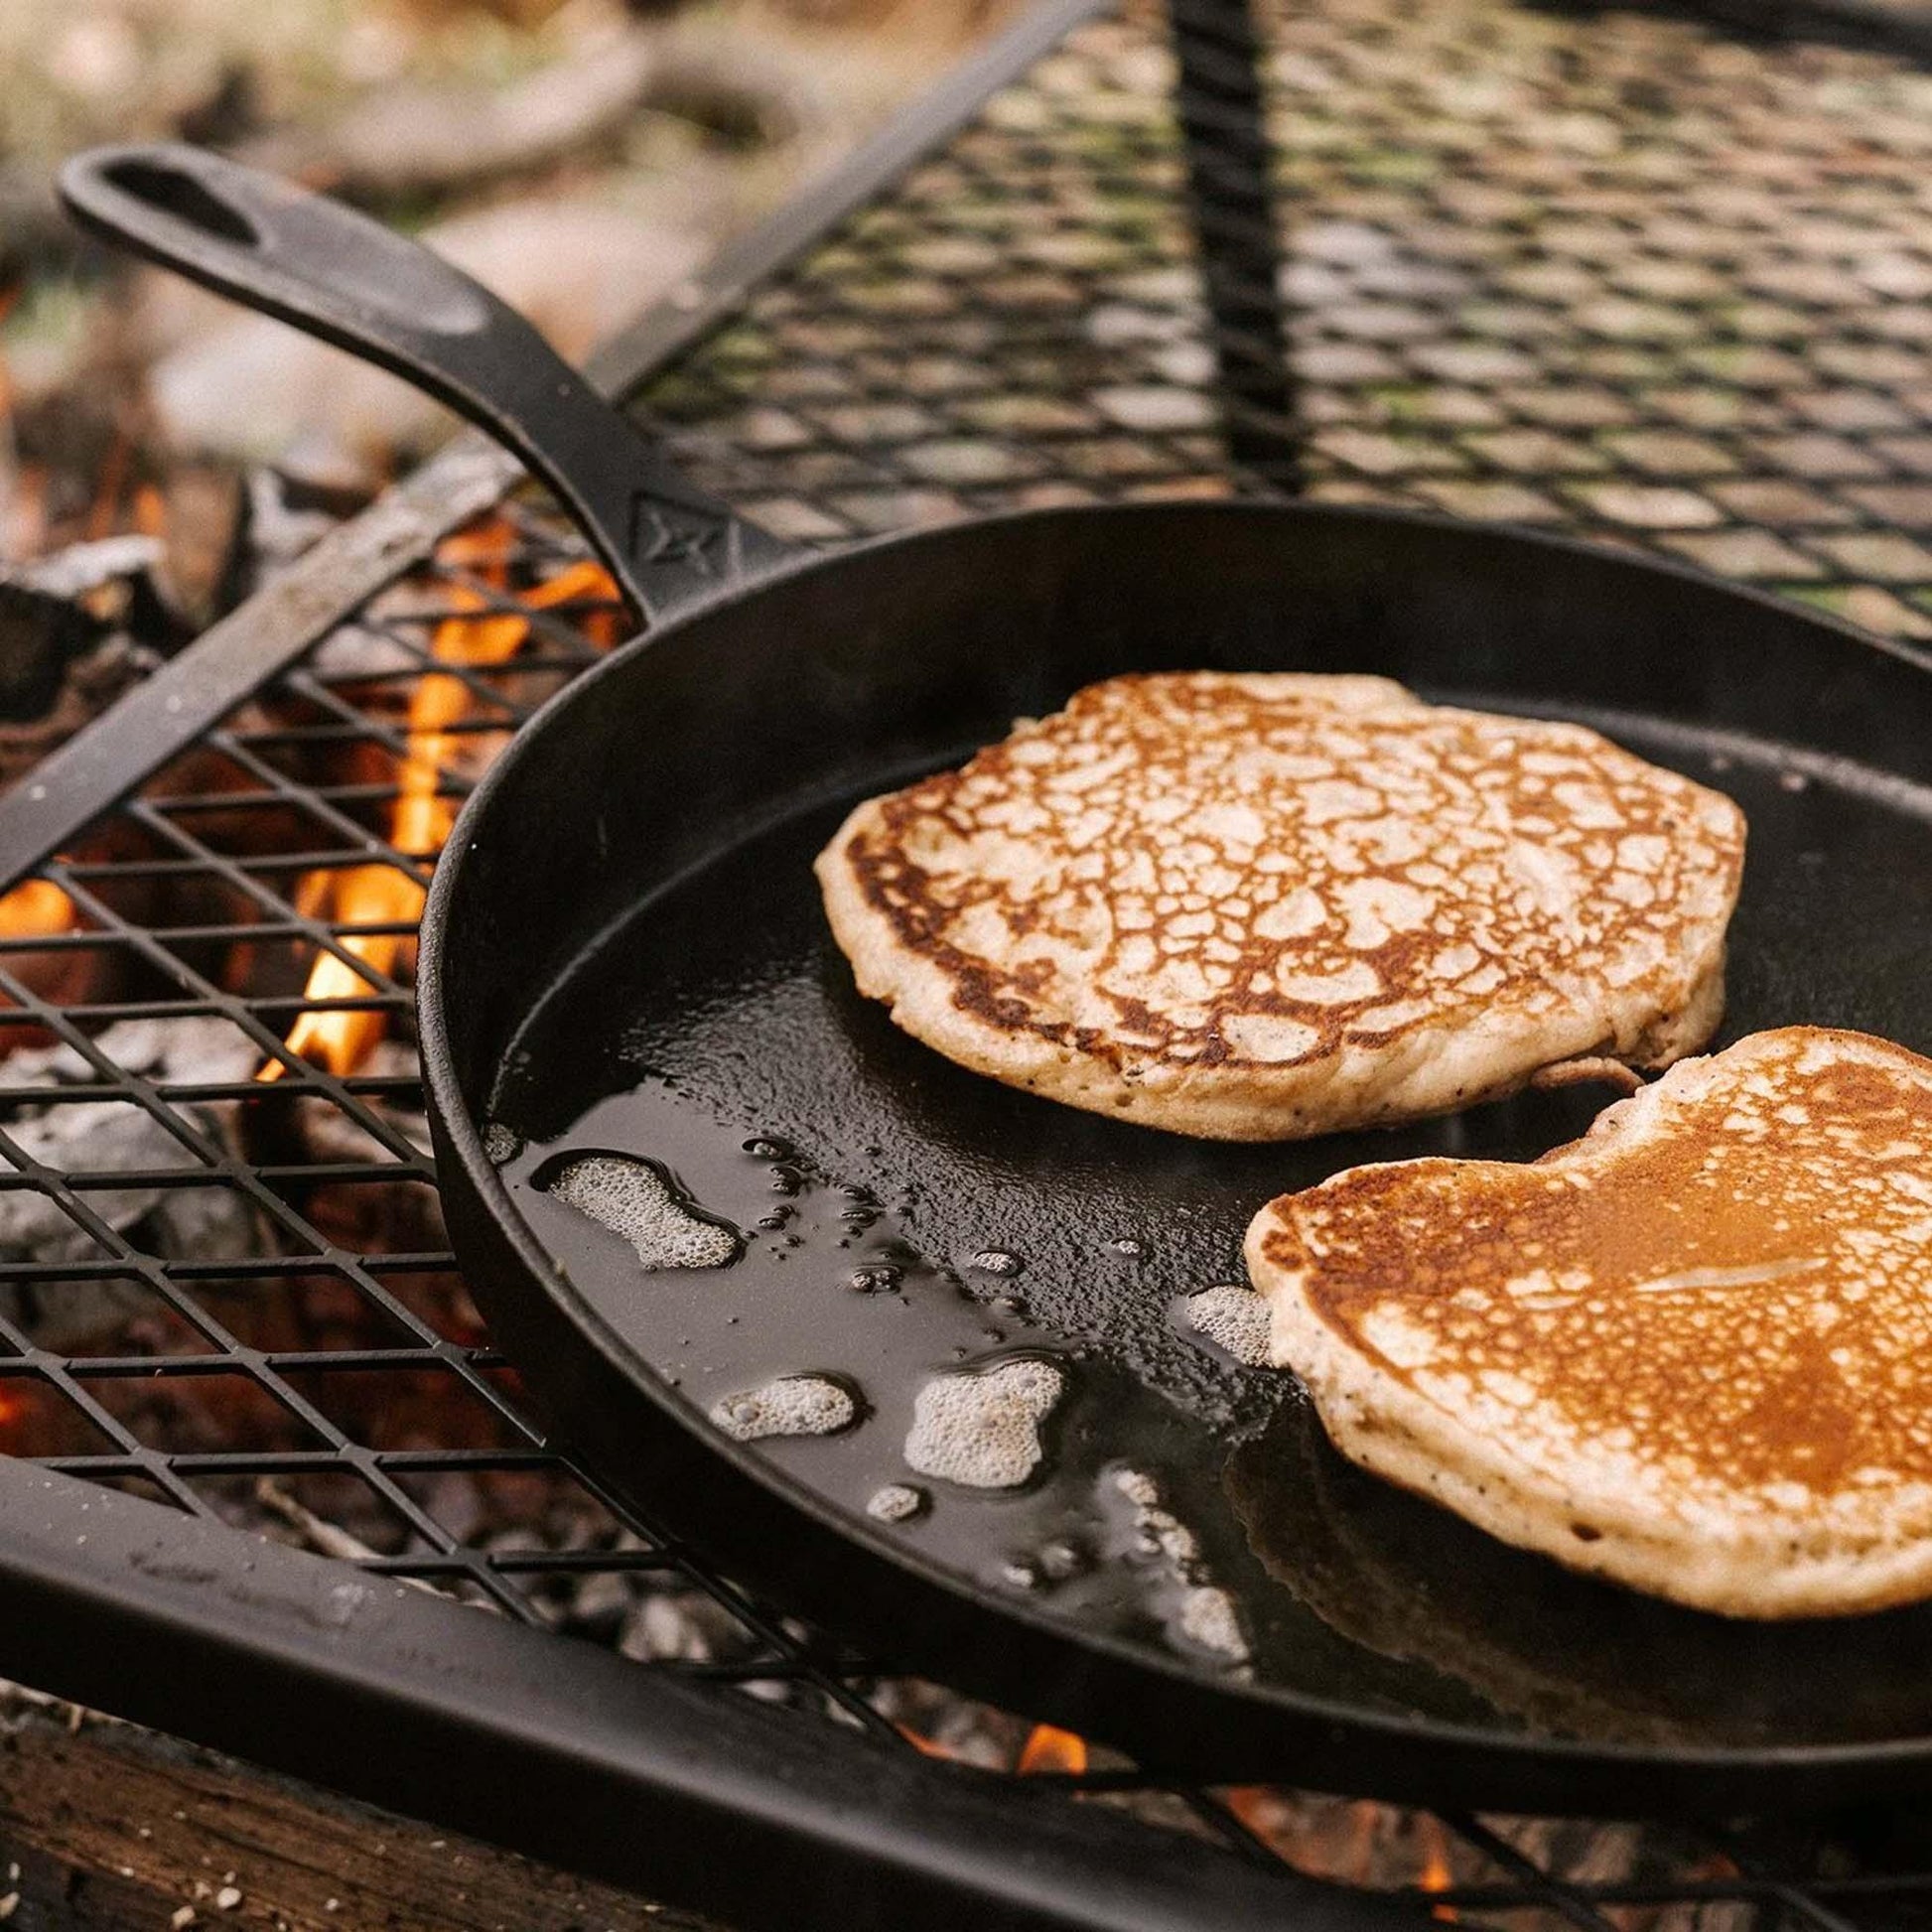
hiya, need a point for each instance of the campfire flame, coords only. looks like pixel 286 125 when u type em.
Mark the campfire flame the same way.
pixel 341 1040
pixel 1047 1750
pixel 1436 1874
pixel 1052 1749
pixel 382 894
pixel 1358 1843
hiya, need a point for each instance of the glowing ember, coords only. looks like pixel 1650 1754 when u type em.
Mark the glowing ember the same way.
pixel 380 894
pixel 1052 1749
pixel 1716 1865
pixel 24 1421
pixel 61 976
pixel 34 910
pixel 1363 1817
pixel 1353 1842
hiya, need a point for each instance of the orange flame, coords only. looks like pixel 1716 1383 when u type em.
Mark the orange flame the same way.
pixel 1257 1807
pixel 382 894
pixel 362 895
pixel 1052 1749
pixel 487 546
pixel 34 909
pixel 1048 1748
pixel 37 909
pixel 1436 1874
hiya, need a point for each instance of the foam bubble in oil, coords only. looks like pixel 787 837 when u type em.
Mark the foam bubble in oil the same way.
pixel 791 1405
pixel 1234 1319
pixel 896 1502
pixel 981 1427
pixel 638 1202
pixel 1207 1616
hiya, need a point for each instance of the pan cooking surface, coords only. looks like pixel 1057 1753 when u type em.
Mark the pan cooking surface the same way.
pixel 898 1243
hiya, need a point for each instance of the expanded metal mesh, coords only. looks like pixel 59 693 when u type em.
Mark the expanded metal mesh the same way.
pixel 1612 274
pixel 1616 275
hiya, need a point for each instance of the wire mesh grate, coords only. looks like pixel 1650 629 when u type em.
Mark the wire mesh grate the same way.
pixel 1615 275
pixel 1612 274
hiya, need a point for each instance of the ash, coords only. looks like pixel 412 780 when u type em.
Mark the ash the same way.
pixel 70 1134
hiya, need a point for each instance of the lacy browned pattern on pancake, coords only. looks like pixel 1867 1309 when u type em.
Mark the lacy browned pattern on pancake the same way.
pixel 1226 871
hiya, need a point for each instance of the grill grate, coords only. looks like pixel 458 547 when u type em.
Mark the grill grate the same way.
pixel 1615 275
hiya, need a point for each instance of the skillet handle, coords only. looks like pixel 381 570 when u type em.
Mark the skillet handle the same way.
pixel 332 272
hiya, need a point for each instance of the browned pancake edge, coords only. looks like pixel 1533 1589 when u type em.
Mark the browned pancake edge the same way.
pixel 1691 1351
pixel 1266 906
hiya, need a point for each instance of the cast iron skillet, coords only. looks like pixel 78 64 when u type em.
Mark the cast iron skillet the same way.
pixel 623 954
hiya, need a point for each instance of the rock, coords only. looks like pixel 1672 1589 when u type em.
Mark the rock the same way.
pixel 102 1137
pixel 212 1223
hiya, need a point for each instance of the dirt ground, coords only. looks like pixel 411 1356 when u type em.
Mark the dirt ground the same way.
pixel 578 157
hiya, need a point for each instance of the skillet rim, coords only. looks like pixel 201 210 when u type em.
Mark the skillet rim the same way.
pixel 1764 1768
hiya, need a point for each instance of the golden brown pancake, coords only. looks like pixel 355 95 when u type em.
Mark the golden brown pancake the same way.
pixel 1691 1351
pixel 1264 906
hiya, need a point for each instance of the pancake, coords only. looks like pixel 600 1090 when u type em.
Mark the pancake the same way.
pixel 1264 906
pixel 1542 1646
pixel 1690 1352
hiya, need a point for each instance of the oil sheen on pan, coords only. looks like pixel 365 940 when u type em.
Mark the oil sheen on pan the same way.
pixel 1015 1338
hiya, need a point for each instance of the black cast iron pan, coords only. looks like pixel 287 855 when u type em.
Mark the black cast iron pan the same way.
pixel 624 958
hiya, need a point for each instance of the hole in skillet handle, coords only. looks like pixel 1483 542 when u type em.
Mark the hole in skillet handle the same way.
pixel 276 246
pixel 170 192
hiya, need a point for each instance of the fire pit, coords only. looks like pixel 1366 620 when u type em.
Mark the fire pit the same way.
pixel 225 1286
